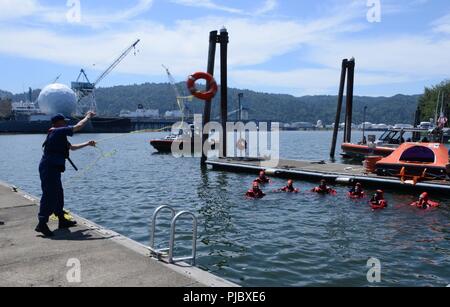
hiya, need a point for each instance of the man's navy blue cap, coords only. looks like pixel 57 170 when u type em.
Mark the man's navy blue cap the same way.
pixel 59 117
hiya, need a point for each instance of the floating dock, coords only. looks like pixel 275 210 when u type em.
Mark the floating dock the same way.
pixel 106 258
pixel 333 172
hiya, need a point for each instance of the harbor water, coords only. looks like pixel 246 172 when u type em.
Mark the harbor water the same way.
pixel 281 240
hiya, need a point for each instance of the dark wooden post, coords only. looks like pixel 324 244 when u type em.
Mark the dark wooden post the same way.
pixel 207 111
pixel 349 105
pixel 339 108
pixel 240 96
pixel 224 39
pixel 418 116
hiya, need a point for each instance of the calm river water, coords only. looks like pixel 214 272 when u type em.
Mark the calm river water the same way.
pixel 282 240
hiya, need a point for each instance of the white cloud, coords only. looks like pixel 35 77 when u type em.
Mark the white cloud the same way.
pixel 209 4
pixel 268 6
pixel 14 9
pixel 442 25
pixel 417 56
pixel 252 42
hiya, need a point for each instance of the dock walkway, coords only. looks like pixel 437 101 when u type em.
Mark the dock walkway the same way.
pixel 106 258
pixel 333 172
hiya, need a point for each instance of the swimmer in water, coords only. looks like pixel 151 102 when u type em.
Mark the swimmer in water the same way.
pixel 255 192
pixel 377 201
pixel 323 188
pixel 289 188
pixel 263 179
pixel 424 202
pixel 356 191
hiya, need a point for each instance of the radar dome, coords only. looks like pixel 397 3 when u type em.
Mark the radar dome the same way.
pixel 57 98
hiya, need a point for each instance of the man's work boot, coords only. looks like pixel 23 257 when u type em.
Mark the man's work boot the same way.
pixel 65 223
pixel 43 228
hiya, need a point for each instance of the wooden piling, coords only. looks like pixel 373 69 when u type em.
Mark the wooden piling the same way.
pixel 339 108
pixel 349 104
pixel 224 40
pixel 207 110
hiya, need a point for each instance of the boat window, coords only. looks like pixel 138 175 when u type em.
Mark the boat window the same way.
pixel 384 136
pixel 418 154
pixel 388 136
pixel 395 138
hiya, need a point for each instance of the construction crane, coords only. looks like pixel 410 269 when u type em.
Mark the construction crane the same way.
pixel 85 90
pixel 181 100
pixel 57 78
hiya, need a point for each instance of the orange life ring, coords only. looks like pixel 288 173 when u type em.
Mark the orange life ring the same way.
pixel 208 95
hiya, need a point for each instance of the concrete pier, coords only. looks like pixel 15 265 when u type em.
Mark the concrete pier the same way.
pixel 105 258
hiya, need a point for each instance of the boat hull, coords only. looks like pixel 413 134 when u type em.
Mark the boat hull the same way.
pixel 95 125
pixel 165 146
pixel 361 151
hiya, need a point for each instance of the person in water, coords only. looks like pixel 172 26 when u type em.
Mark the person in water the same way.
pixel 56 151
pixel 323 188
pixel 377 201
pixel 424 202
pixel 255 191
pixel 290 187
pixel 356 191
pixel 263 179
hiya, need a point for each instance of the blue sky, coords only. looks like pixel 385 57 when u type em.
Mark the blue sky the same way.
pixel 280 46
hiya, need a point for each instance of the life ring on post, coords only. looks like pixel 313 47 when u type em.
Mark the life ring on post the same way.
pixel 207 95
pixel 241 144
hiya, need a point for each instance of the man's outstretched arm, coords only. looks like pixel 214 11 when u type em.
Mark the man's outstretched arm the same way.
pixel 83 122
pixel 82 145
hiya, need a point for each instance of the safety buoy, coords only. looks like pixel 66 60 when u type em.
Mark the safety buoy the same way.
pixel 241 144
pixel 207 95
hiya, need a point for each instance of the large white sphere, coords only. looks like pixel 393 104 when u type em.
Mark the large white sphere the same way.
pixel 57 98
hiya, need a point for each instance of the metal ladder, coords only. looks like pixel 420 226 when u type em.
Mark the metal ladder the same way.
pixel 162 254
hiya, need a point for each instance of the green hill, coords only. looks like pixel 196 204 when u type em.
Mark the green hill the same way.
pixel 428 101
pixel 4 94
pixel 262 106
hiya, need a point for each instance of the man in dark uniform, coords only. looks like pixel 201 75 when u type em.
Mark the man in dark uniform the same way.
pixel 56 151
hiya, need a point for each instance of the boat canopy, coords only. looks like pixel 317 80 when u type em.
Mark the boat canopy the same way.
pixel 418 159
pixel 420 153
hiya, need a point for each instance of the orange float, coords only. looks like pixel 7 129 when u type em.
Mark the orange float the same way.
pixel 206 95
